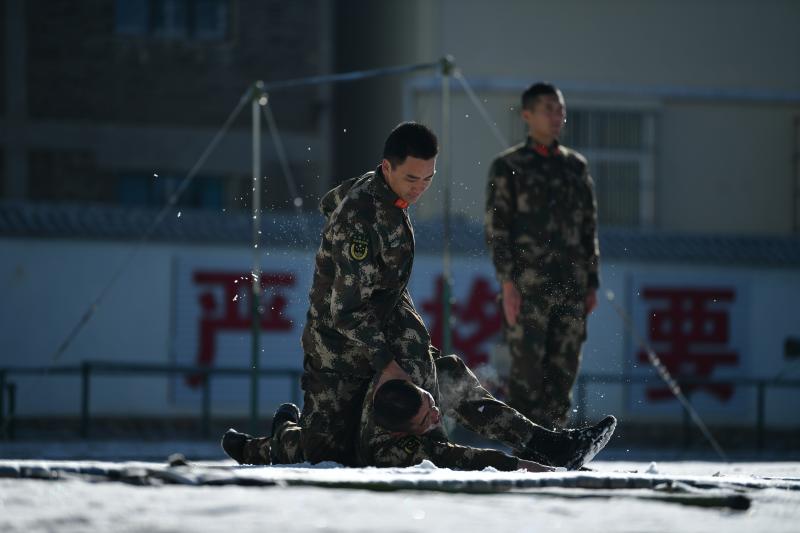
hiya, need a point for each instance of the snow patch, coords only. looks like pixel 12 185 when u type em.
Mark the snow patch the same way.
pixel 426 465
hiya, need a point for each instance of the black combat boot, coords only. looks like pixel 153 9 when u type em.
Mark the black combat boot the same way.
pixel 286 412
pixel 569 448
pixel 246 449
pixel 233 443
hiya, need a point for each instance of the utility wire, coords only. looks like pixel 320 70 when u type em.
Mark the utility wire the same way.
pixel 349 76
pixel 173 199
pixel 662 371
pixel 283 159
pixel 481 109
pixel 246 97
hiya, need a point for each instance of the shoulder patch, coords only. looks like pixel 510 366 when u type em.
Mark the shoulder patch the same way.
pixel 409 444
pixel 359 247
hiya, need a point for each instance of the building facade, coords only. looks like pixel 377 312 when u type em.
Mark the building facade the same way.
pixel 114 101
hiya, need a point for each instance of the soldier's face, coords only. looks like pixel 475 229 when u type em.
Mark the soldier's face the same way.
pixel 547 118
pixel 427 417
pixel 410 179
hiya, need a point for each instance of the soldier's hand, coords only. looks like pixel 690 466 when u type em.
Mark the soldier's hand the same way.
pixel 511 302
pixel 591 301
pixel 531 466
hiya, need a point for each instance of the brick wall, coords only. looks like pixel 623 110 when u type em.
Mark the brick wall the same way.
pixel 80 68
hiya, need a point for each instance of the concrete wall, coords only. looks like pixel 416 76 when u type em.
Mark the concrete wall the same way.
pixel 715 75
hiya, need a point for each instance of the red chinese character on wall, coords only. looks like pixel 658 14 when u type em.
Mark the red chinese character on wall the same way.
pixel 234 311
pixel 474 322
pixel 692 327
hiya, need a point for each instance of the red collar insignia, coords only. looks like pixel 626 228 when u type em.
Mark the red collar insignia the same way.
pixel 402 204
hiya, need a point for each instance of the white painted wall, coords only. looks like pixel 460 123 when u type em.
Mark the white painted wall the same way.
pixel 148 317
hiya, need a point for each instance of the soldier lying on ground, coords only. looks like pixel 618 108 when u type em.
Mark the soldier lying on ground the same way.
pixel 401 426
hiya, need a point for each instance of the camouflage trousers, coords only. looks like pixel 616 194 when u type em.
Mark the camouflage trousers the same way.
pixel 545 346
pixel 331 412
pixel 328 424
pixel 283 448
pixel 333 401
pixel 463 398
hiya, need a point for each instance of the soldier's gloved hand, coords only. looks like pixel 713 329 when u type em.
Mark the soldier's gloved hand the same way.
pixel 512 301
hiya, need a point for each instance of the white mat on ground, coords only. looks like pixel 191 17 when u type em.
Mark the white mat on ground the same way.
pixel 719 490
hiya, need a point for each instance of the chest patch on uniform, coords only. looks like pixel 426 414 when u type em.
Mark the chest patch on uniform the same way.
pixel 409 444
pixel 359 247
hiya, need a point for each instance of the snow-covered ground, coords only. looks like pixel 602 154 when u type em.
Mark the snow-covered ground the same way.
pixel 84 503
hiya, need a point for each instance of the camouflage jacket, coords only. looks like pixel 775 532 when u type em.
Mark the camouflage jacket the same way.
pixel 362 269
pixel 541 218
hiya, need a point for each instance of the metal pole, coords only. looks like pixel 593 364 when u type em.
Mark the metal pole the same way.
pixel 687 429
pixel 258 98
pixel 85 374
pixel 206 422
pixel 12 409
pixel 2 404
pixel 760 417
pixel 445 161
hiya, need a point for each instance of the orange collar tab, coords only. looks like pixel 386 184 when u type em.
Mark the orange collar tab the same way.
pixel 543 149
pixel 402 204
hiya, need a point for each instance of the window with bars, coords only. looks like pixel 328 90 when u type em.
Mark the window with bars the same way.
pixel 199 20
pixel 619 147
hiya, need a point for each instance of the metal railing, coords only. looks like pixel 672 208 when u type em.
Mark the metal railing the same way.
pixel 686 383
pixel 91 369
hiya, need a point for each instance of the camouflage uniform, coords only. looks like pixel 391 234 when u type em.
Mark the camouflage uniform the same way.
pixel 461 396
pixel 541 228
pixel 362 269
pixel 285 447
pixel 457 392
pixel 409 342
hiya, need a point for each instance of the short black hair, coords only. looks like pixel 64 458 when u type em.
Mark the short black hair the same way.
pixel 410 139
pixel 536 90
pixel 396 402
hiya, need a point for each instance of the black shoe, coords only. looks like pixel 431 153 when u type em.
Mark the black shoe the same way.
pixel 287 412
pixel 570 448
pixel 233 443
pixel 587 442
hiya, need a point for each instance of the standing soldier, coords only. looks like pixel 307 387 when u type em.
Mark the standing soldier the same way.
pixel 363 266
pixel 541 229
